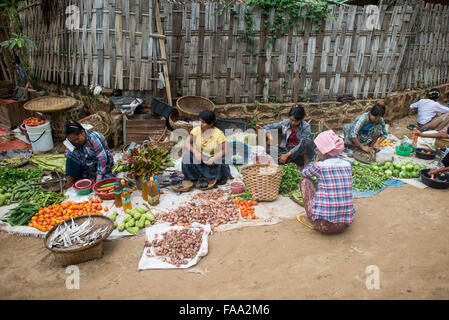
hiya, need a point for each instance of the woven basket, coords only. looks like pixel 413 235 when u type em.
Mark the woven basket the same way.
pixel 441 143
pixel 101 123
pixel 175 117
pixel 263 181
pixel 157 140
pixel 50 104
pixel 58 120
pixel 191 106
pixel 79 254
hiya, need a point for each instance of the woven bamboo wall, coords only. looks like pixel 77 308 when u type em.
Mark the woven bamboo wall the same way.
pixel 113 48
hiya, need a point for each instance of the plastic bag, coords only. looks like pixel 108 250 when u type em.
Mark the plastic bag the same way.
pixel 407 142
pixel 385 155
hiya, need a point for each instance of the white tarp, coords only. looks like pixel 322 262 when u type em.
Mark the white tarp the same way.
pixel 155 262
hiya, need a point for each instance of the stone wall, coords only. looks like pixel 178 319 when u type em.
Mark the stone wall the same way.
pixel 334 114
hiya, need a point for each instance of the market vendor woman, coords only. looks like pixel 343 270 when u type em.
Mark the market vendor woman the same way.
pixel 368 130
pixel 296 145
pixel 204 157
pixel 329 202
pixel 91 158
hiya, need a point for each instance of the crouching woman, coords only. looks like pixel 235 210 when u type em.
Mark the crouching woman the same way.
pixel 328 203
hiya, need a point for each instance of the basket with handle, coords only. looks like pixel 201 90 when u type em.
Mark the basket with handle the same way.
pixel 191 106
pixel 101 122
pixel 263 180
pixel 174 117
pixel 160 139
pixel 441 143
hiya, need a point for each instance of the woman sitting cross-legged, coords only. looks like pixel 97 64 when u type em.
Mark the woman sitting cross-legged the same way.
pixel 328 203
pixel 205 153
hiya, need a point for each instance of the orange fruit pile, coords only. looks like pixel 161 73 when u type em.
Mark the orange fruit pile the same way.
pixel 246 208
pixel 50 216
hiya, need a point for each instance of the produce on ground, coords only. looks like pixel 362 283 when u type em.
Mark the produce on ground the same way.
pixel 143 161
pixel 22 214
pixel 135 220
pixel 400 170
pixel 247 208
pixel 365 178
pixel 11 162
pixel 50 216
pixel 214 207
pixel 23 191
pixel 387 143
pixel 49 162
pixel 10 177
pixel 370 177
pixel 245 195
pixel 291 177
pixel 71 234
pixel 297 195
pixel 176 246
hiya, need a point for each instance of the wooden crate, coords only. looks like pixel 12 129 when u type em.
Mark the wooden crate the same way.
pixel 137 128
pixel 12 113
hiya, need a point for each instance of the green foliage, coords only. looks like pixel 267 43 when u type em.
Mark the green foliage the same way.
pixel 18 40
pixel 291 177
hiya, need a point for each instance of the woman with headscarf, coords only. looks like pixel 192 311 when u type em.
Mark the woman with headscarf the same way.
pixel 328 203
pixel 205 155
pixel 91 158
pixel 368 130
pixel 296 145
pixel 428 109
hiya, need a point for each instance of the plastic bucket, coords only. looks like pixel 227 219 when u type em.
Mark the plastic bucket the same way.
pixel 40 137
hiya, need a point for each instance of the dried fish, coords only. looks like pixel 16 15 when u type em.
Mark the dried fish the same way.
pixel 73 234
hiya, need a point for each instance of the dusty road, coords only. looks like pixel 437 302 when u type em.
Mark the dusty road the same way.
pixel 403 231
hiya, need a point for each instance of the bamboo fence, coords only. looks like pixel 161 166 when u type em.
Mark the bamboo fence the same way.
pixel 115 45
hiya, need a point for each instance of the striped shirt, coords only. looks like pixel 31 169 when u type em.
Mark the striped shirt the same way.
pixel 95 141
pixel 333 200
pixel 361 122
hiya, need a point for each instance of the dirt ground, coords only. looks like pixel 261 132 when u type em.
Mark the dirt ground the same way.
pixel 402 231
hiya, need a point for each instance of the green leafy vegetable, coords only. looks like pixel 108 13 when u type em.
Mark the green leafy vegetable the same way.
pixel 291 177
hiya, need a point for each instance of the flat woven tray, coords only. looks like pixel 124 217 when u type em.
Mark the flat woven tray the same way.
pixel 50 104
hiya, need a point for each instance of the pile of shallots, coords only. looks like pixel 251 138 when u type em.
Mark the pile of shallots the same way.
pixel 213 207
pixel 177 245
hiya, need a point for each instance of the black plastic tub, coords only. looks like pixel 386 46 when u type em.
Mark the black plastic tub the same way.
pixel 421 155
pixel 441 180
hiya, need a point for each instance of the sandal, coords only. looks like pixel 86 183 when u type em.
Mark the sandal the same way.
pixel 298 217
pixel 202 184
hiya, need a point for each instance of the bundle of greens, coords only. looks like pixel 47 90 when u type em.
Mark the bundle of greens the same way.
pixel 10 177
pixel 291 177
pixel 364 179
pixel 143 161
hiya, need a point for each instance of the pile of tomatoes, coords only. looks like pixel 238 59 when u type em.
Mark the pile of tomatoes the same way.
pixel 34 121
pixel 247 208
pixel 50 216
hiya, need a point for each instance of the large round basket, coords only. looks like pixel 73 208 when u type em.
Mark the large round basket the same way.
pixel 50 104
pixel 191 106
pixel 101 122
pixel 174 117
pixel 58 119
pixel 263 180
pixel 78 254
pixel 441 143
